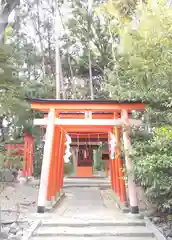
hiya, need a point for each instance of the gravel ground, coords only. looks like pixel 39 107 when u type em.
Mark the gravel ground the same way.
pixel 17 201
pixel 161 220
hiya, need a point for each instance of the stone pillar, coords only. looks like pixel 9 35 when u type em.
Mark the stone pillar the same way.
pixel 131 180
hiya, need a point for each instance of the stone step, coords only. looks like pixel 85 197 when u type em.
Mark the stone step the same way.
pixel 86 180
pixel 91 223
pixel 80 180
pixel 87 185
pixel 93 231
pixel 93 238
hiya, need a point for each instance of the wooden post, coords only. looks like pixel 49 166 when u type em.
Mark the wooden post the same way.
pixel 107 167
pixel 57 133
pixel 25 154
pixel 111 167
pixel 30 156
pixel 120 174
pixel 112 170
pixel 117 180
pixel 131 181
pixel 53 193
pixel 46 162
pixel 58 164
pixel 62 162
pixel 61 146
pixel 123 196
pixel 52 176
pixel 116 172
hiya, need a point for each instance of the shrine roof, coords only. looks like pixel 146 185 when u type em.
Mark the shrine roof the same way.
pixel 65 105
pixel 80 101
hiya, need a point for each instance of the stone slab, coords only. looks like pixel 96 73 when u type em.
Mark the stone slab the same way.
pixel 154 229
pixel 87 185
pixel 89 223
pixel 28 232
pixel 95 238
pixel 94 231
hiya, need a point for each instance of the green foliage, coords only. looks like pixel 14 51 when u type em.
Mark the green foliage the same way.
pixel 10 85
pixel 153 166
pixel 76 48
pixel 142 71
pixel 142 68
pixel 100 165
pixel 38 155
pixel 68 168
pixel 2 159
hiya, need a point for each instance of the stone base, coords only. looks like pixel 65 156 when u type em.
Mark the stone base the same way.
pixel 51 204
pixel 135 215
pixel 57 195
pixel 134 209
pixel 124 206
pixel 40 209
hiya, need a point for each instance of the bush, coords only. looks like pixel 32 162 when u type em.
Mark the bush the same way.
pixel 68 168
pixel 153 166
pixel 100 165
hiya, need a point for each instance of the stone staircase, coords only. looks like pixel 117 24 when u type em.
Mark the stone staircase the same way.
pixel 95 230
pixel 91 213
pixel 87 182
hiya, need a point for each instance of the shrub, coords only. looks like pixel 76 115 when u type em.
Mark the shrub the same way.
pixel 153 166
pixel 68 168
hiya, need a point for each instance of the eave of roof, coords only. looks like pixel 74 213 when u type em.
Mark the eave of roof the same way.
pixel 78 101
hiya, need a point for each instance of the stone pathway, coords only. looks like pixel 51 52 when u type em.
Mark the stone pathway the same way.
pixel 90 213
pixel 81 207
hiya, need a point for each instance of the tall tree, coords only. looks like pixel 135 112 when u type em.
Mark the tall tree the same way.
pixel 76 40
pixel 6 7
pixel 142 70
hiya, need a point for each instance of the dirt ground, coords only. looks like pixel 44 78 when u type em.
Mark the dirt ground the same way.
pixel 17 201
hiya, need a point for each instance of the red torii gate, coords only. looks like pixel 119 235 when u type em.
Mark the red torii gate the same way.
pixel 25 150
pixel 83 116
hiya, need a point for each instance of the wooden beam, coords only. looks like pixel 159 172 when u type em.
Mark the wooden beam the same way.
pixel 87 135
pixel 88 140
pixel 83 143
pixel 82 116
pixel 88 122
pixel 86 129
pixel 89 106
pixel 81 122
